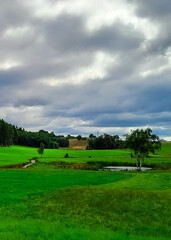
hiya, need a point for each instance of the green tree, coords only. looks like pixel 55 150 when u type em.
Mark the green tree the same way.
pixel 92 136
pixel 40 150
pixel 53 145
pixel 142 142
pixel 6 133
pixel 79 137
pixel 105 142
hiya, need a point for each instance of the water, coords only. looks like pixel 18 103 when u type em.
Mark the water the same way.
pixel 124 168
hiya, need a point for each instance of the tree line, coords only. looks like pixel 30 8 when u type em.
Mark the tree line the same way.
pixel 10 134
pixel 142 142
pixel 105 141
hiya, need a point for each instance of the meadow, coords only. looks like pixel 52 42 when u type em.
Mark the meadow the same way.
pixel 47 202
pixel 20 154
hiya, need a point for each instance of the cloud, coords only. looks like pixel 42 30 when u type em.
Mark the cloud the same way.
pixel 149 8
pixel 84 67
pixel 158 12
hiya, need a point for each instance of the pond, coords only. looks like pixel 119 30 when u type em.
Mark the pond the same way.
pixel 124 168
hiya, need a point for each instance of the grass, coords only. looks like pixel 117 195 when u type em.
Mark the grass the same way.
pixel 16 154
pixel 115 209
pixel 24 183
pixel 19 154
pixel 44 230
pixel 115 157
pixel 42 202
pixel 85 205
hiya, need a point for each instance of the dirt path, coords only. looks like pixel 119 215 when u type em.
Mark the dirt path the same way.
pixel 30 164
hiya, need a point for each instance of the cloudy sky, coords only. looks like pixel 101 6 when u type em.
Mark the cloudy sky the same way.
pixel 81 67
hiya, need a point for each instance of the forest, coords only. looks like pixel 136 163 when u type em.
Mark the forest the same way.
pixel 10 134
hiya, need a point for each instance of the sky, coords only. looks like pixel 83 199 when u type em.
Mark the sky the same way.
pixel 81 67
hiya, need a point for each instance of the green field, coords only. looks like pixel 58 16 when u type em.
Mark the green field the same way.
pixel 45 202
pixel 19 154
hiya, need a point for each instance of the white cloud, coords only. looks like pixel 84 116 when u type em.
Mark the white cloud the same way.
pixel 98 69
pixel 8 64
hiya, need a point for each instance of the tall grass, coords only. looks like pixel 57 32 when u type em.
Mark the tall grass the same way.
pixel 93 213
pixel 31 229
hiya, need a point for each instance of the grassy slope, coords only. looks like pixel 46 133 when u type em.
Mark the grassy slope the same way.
pixel 24 183
pixel 84 205
pixel 44 203
pixel 18 154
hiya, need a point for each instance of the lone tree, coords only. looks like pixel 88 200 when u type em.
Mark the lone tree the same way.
pixel 142 142
pixel 40 150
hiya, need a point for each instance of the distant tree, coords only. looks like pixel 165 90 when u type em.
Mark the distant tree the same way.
pixel 71 137
pixel 79 137
pixel 92 136
pixel 142 142
pixel 52 134
pixel 105 142
pixel 33 139
pixel 6 133
pixel 53 145
pixel 43 131
pixel 40 150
